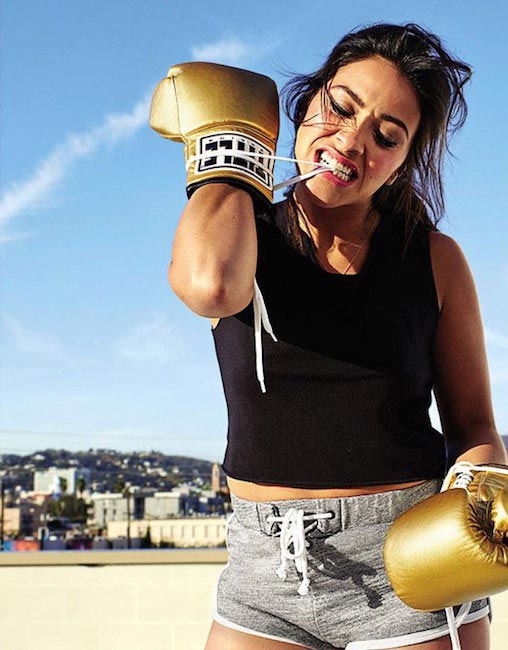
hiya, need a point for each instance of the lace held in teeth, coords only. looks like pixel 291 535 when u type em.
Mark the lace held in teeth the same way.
pixel 319 167
pixel 336 166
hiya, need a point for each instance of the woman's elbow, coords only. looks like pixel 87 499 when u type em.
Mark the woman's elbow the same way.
pixel 209 298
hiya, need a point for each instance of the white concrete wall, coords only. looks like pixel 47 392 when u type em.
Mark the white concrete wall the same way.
pixel 119 607
pixel 124 607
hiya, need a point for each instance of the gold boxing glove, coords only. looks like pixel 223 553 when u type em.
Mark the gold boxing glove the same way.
pixel 452 548
pixel 228 119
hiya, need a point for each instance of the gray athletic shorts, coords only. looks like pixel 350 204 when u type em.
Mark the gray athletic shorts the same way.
pixel 341 598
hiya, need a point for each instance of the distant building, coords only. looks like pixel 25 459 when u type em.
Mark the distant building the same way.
pixel 112 506
pixel 47 481
pixel 215 482
pixel 163 505
pixel 22 520
pixel 182 532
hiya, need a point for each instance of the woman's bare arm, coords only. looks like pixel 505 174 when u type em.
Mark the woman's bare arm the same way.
pixel 215 251
pixel 462 385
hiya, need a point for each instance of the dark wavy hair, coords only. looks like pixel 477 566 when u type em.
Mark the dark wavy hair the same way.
pixel 417 196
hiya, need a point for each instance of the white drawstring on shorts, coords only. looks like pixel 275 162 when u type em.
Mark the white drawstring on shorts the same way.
pixel 293 532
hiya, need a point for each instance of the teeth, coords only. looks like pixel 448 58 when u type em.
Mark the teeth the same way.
pixel 339 169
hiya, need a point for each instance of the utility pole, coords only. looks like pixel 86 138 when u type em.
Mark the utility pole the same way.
pixel 127 492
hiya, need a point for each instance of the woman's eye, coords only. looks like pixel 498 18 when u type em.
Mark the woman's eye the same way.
pixel 340 110
pixel 384 141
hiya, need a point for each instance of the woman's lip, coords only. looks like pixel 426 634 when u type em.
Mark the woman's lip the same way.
pixel 330 176
pixel 337 157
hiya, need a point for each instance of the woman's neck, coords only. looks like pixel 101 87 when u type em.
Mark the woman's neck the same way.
pixel 329 226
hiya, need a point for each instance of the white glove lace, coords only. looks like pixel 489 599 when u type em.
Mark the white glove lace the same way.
pixel 463 471
pixel 260 320
pixel 453 626
pixel 249 157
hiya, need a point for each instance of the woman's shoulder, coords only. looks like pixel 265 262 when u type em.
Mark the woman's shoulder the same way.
pixel 452 273
pixel 446 251
pixel 424 237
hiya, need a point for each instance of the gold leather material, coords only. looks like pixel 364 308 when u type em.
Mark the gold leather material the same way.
pixel 500 511
pixel 198 99
pixel 451 548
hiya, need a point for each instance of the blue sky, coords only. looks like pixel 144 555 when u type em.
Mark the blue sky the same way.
pixel 95 350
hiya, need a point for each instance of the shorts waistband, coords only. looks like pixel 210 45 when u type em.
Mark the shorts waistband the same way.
pixel 348 512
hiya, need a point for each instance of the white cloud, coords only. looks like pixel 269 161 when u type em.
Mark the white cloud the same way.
pixel 496 339
pixel 35 191
pixel 498 359
pixel 499 374
pixel 153 341
pixel 33 342
pixel 120 126
pixel 231 51
pixel 6 237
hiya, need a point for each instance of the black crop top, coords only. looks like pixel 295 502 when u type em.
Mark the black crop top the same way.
pixel 349 380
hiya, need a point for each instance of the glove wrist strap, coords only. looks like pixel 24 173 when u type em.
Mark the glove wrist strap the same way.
pixel 233 151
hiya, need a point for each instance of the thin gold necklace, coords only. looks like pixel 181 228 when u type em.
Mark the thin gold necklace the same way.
pixel 367 237
pixel 360 246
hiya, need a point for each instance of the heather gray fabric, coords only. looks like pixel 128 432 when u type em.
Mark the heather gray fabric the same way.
pixel 350 603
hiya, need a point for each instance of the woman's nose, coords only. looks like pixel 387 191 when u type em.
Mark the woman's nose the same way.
pixel 350 139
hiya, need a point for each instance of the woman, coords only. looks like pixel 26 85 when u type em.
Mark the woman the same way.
pixel 372 308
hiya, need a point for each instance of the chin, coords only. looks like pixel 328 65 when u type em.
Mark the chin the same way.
pixel 324 197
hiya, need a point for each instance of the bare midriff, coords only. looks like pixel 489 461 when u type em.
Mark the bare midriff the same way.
pixel 264 492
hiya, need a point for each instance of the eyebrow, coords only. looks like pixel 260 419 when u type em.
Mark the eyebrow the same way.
pixel 383 116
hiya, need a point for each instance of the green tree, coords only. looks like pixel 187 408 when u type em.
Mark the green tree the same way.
pixel 81 485
pixel 119 485
pixel 69 506
pixel 147 539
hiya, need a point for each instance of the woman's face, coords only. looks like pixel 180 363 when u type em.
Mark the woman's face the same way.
pixel 367 125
